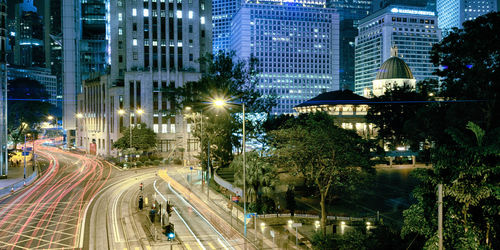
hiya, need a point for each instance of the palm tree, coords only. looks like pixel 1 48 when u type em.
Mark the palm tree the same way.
pixel 261 176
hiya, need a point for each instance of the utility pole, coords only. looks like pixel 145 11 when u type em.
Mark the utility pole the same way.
pixel 440 215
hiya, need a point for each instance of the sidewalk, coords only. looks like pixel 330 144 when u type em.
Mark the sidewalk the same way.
pixel 262 239
pixel 15 179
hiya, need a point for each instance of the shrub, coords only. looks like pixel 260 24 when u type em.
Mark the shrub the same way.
pixel 156 162
pixel 139 164
pixel 177 161
pixel 148 163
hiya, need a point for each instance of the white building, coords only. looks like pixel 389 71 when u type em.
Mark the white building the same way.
pixel 412 30
pixel 453 13
pixel 393 72
pixel 296 44
pixel 154 47
pixel 222 15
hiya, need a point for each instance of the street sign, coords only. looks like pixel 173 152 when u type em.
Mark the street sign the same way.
pixel 296 224
pixel 272 233
pixel 235 198
pixel 26 154
pixel 250 215
pixel 191 168
pixel 29 148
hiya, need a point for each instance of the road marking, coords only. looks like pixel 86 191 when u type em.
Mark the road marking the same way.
pixel 210 245
pixel 187 246
pixel 222 244
pixel 137 248
pixel 175 210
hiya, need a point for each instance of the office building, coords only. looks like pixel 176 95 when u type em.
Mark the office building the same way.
pixel 53 44
pixel 86 53
pixel 351 9
pixel 42 75
pixel 28 46
pixel 453 13
pixel 296 44
pixel 154 47
pixel 222 15
pixel 412 30
pixel 4 168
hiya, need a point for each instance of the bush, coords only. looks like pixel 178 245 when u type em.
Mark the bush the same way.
pixel 148 163
pixel 139 164
pixel 156 162
pixel 128 164
pixel 177 161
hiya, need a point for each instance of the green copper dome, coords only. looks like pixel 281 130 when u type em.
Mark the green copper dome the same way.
pixel 394 68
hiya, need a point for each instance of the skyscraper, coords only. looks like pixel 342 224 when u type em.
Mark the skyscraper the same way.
pixel 153 48
pixel 222 15
pixel 452 13
pixel 28 46
pixel 85 51
pixel 412 30
pixel 296 44
pixel 3 89
pixel 351 9
pixel 52 42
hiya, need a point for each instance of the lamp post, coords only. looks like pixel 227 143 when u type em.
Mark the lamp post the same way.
pixel 208 151
pixel 221 103
pixel 50 118
pixel 137 111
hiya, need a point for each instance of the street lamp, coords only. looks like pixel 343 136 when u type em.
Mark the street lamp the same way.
pixel 208 150
pixel 50 118
pixel 137 111
pixel 219 103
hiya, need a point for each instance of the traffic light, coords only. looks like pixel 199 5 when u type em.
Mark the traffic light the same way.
pixel 170 208
pixel 169 231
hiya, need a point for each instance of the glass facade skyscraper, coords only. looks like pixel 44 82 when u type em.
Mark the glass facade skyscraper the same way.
pixel 452 13
pixel 222 15
pixel 412 30
pixel 297 45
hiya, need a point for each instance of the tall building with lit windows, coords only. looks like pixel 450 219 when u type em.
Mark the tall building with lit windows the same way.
pixel 413 30
pixel 296 44
pixel 153 47
pixel 453 13
pixel 85 52
pixel 222 15
pixel 4 169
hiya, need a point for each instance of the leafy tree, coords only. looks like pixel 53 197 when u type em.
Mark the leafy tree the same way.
pixel 392 112
pixel 224 77
pixel 324 154
pixel 466 156
pixel 143 138
pixel 261 176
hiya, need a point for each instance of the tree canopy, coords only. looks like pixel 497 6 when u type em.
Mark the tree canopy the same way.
pixel 330 157
pixel 229 78
pixel 143 138
pixel 466 137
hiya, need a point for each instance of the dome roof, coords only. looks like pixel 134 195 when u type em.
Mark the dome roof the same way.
pixel 394 68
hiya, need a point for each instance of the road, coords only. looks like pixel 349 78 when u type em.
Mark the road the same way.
pixel 48 214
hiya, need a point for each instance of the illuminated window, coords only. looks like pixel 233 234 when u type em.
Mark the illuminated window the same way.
pixel 120 17
pixel 134 42
pixel 179 14
pixel 190 14
pixel 134 12
pixel 202 20
pixel 146 12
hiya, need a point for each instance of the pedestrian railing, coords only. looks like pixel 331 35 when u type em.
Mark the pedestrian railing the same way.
pixel 18 185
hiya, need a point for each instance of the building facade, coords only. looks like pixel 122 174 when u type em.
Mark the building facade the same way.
pixel 351 9
pixel 28 45
pixel 85 54
pixel 453 13
pixel 393 72
pixel 297 47
pixel 222 15
pixel 53 43
pixel 412 30
pixel 4 168
pixel 41 75
pixel 154 48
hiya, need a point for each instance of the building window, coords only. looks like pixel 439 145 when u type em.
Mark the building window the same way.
pixel 172 128
pixel 202 20
pixel 164 128
pixel 134 12
pixel 120 18
pixel 179 14
pixel 155 128
pixel 190 14
pixel 134 42
pixel 146 12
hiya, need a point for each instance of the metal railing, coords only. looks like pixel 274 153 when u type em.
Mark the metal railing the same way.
pixel 18 185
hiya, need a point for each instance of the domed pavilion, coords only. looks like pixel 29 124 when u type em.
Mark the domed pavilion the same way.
pixel 393 72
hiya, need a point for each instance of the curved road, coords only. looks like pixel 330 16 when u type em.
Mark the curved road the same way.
pixel 48 214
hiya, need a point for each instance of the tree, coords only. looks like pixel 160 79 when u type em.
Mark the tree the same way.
pixel 466 135
pixel 392 112
pixel 261 176
pixel 224 77
pixel 328 156
pixel 143 138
